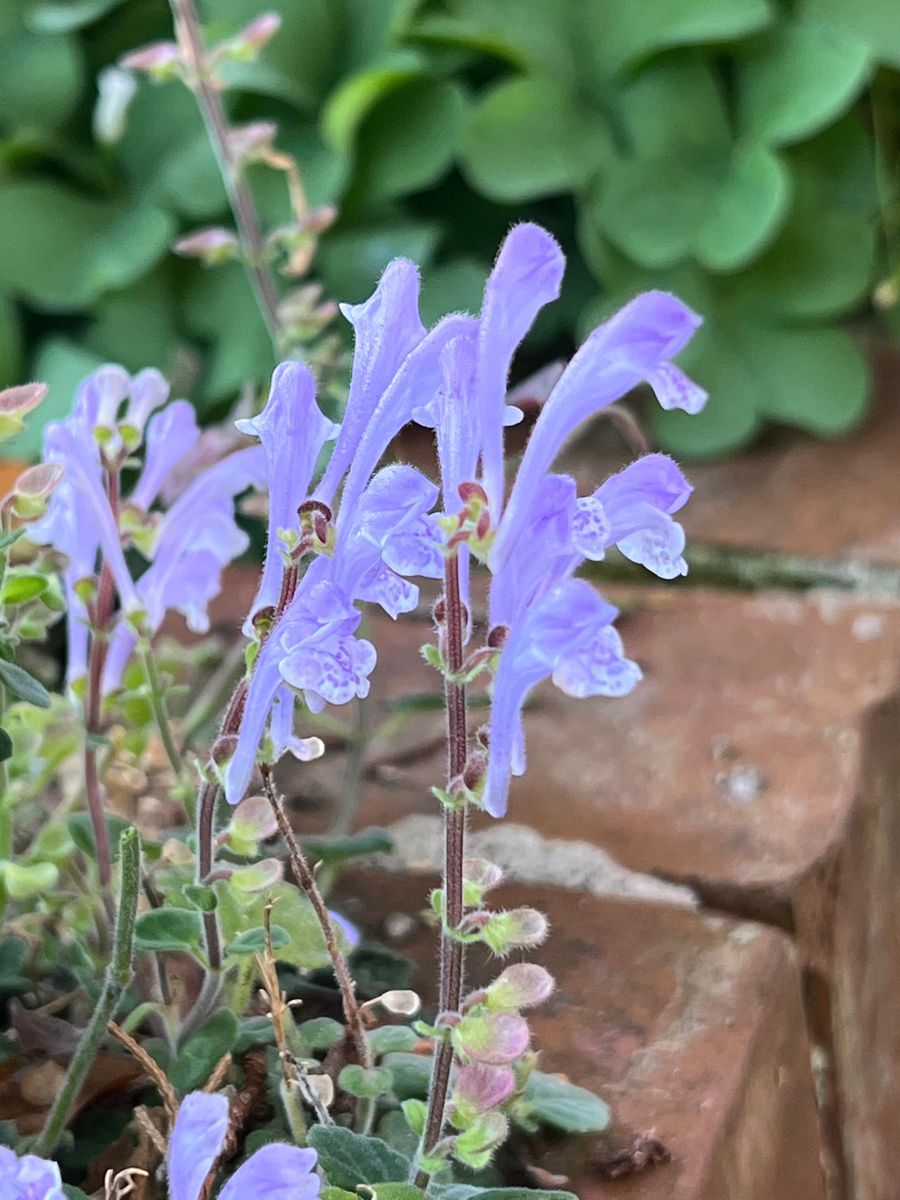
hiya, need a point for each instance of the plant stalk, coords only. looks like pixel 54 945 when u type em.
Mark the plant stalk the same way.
pixel 119 974
pixel 452 952
pixel 306 879
pixel 160 712
pixel 190 39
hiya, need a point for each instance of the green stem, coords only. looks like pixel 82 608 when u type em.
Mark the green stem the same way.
pixel 160 713
pixel 119 974
pixel 209 100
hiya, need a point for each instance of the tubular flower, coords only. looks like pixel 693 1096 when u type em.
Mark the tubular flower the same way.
pixel 187 546
pixel 275 1172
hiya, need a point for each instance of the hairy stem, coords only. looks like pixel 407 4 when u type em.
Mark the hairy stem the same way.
pixel 306 879
pixel 119 974
pixel 452 951
pixel 190 38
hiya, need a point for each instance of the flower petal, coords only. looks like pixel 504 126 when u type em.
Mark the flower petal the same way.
pixel 171 435
pixel 196 1142
pixel 274 1172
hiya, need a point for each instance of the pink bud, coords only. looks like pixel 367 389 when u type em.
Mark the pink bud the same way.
pixel 478 1088
pixel 495 1038
pixel 15 404
pixel 29 495
pixel 518 927
pixel 251 39
pixel 159 59
pixel 212 246
pixel 249 142
pixel 472 491
pixel 521 985
pixel 481 873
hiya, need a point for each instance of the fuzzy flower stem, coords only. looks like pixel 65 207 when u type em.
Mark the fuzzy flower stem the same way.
pixel 119 974
pixel 246 218
pixel 103 611
pixel 306 879
pixel 452 951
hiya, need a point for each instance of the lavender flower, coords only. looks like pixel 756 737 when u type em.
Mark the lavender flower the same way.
pixel 293 431
pixel 28 1177
pixel 275 1172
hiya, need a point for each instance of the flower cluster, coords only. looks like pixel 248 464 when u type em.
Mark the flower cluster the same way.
pixel 454 379
pixel 90 522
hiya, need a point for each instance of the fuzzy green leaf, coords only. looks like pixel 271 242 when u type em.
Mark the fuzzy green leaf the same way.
pixel 349 1159
pixel 23 685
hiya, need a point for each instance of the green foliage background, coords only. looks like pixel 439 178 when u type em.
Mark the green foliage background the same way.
pixel 724 150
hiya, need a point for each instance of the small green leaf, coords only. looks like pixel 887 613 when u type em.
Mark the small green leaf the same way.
pixel 168 929
pixel 23 685
pixel 20 587
pixel 202 1052
pixel 391 1039
pixel 411 1073
pixel 22 881
pixel 349 1159
pixel 82 833
pixel 365 1083
pixel 321 1033
pixel 202 898
pixel 253 941
pixel 564 1105
pixel 335 850
pixel 253 1031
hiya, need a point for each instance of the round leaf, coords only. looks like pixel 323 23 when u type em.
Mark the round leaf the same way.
pixel 41 79
pixel 797 80
pixel 168 929
pixel 528 138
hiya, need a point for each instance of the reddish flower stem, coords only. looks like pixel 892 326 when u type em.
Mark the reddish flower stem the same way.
pixel 452 951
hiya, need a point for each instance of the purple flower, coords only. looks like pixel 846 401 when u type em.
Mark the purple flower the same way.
pixel 293 431
pixel 275 1172
pixel 566 635
pixel 633 346
pixel 527 275
pixel 387 328
pixel 171 435
pixel 28 1177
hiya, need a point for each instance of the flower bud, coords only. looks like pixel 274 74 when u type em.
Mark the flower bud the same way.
pixel 477 1089
pixel 212 246
pixel 252 141
pixel 476 1145
pixel 252 822
pixel 115 91
pixel 479 876
pixel 160 60
pixel 496 638
pixel 15 404
pixel 518 927
pixel 472 491
pixel 223 748
pixel 521 985
pixel 495 1038
pixel 33 489
pixel 245 46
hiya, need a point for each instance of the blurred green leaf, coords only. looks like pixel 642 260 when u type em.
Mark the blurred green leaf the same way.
pixel 220 307
pixel 346 109
pixel 23 685
pixel 873 22
pixel 62 251
pixel 620 34
pixel 528 137
pixel 350 261
pixel 294 914
pixel 41 78
pixel 720 209
pixel 301 61
pixel 10 343
pixel 562 1105
pixel 253 941
pixel 407 140
pixel 61 364
pixel 454 286
pixel 796 80
pixel 64 16
pixel 82 834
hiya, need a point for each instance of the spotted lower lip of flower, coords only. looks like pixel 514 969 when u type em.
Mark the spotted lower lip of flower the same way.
pixel 634 346
pixel 274 1172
